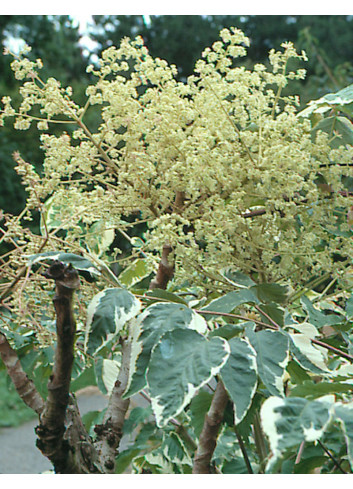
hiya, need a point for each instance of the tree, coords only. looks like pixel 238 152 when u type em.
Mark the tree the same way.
pixel 247 207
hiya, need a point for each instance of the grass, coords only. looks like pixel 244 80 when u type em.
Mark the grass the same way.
pixel 13 411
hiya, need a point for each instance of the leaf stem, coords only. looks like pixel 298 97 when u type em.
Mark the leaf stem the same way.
pixel 334 460
pixel 243 451
pixel 260 442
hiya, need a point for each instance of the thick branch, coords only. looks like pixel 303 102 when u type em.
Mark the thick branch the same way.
pixel 210 430
pixel 109 433
pixel 52 420
pixel 83 458
pixel 165 270
pixel 24 386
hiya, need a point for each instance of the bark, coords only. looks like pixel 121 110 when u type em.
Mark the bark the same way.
pixel 109 433
pixel 51 428
pixel 24 386
pixel 165 270
pixel 210 431
pixel 83 457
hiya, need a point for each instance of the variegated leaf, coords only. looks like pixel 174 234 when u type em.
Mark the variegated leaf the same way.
pixel 289 421
pixel 272 348
pixel 107 313
pixel 181 363
pixel 239 376
pixel 156 320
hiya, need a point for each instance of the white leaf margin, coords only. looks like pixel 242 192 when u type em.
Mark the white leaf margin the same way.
pixel 191 389
pixel 269 418
pixel 119 319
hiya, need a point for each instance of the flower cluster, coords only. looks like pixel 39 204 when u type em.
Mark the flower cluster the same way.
pixel 220 166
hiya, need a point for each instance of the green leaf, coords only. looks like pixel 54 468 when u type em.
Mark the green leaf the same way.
pixel 297 374
pixel 91 419
pixel 239 376
pixel 310 357
pixel 344 413
pixel 307 465
pixel 289 421
pixel 78 262
pixel 272 348
pixel 125 458
pixel 138 417
pixel 235 466
pixel 157 463
pixel 198 408
pixel 310 390
pixel 340 101
pixel 227 444
pixel 340 129
pixel 156 320
pixel 107 313
pixel 318 318
pixel 349 307
pixel 165 295
pixel 270 293
pixel 87 377
pixel 134 273
pixel 227 303
pixel 181 363
pixel 275 313
pixel 174 450
pixel 228 331
pixel 237 278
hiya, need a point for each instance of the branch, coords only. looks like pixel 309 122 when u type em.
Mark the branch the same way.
pixel 165 270
pixel 210 430
pixel 52 420
pixel 24 386
pixel 84 455
pixel 109 433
